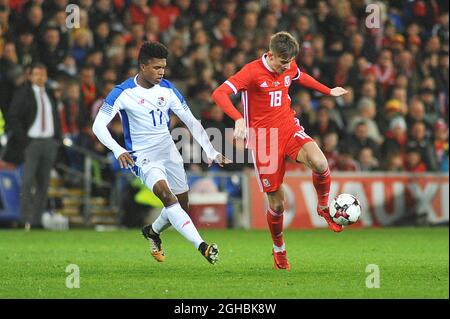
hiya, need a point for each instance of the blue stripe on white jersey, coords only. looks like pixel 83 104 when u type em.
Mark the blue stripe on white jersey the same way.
pixel 118 89
pixel 126 130
pixel 107 107
pixel 168 84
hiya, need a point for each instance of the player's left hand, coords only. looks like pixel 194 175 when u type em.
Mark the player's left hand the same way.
pixel 338 91
pixel 221 160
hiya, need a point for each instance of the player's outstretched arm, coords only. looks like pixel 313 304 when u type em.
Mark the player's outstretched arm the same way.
pixel 200 135
pixel 308 81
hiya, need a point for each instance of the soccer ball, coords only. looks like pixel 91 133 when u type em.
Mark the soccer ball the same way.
pixel 345 209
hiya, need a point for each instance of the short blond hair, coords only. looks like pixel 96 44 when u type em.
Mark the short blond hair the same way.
pixel 284 45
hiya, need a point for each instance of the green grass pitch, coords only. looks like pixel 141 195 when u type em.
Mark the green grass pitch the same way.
pixel 413 263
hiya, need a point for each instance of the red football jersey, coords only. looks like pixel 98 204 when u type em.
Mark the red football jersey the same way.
pixel 265 99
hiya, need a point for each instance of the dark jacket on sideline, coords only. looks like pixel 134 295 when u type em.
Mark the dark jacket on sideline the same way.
pixel 22 113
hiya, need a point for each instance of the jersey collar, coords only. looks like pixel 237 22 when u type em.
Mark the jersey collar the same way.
pixel 264 61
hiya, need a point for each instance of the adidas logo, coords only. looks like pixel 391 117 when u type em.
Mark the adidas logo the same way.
pixel 264 85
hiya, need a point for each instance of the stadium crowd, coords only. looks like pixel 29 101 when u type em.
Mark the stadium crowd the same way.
pixel 395 117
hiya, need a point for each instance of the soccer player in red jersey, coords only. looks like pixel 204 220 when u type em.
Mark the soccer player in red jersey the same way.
pixel 273 132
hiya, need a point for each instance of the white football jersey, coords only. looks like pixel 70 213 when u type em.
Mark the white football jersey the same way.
pixel 145 115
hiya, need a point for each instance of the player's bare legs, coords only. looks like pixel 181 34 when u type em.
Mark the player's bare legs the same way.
pixel 311 155
pixel 275 221
pixel 174 214
pixel 183 199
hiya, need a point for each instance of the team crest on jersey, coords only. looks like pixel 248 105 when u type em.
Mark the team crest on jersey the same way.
pixel 276 83
pixel 287 80
pixel 161 101
pixel 265 182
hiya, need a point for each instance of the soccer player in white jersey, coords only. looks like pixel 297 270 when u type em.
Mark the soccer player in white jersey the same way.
pixel 144 103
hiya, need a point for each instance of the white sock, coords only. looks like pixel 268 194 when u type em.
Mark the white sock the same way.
pixel 279 249
pixel 161 223
pixel 181 221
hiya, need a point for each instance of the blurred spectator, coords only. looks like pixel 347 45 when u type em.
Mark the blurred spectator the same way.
pixel 392 109
pixel 303 108
pixel 327 22
pixel 394 162
pixel 10 78
pixel 139 11
pixel 441 144
pixel 58 19
pixel 385 72
pixel 301 28
pixel 204 13
pixel 330 143
pixel 166 13
pixel 88 86
pixel 101 35
pixel 201 100
pixel 426 95
pixel 51 53
pixel 324 124
pixel 151 29
pixel 104 10
pixel 366 112
pixel 396 138
pixel 68 66
pixel 249 26
pixel 440 29
pixel 416 113
pixel 367 161
pixel 421 142
pixel 344 162
pixel 33 19
pixel 329 103
pixel 413 161
pixel 343 70
pixel 82 43
pixel 360 139
pixel 26 47
pixel 222 34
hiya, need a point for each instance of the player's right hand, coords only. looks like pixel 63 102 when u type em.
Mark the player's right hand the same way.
pixel 125 160
pixel 338 91
pixel 240 130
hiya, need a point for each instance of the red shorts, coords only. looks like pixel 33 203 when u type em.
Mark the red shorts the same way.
pixel 269 161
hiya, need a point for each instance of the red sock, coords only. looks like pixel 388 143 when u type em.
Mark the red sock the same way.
pixel 275 222
pixel 322 183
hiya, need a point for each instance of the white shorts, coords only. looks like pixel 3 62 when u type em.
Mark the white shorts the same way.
pixel 170 169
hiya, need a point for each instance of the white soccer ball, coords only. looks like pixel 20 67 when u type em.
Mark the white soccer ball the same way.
pixel 345 209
